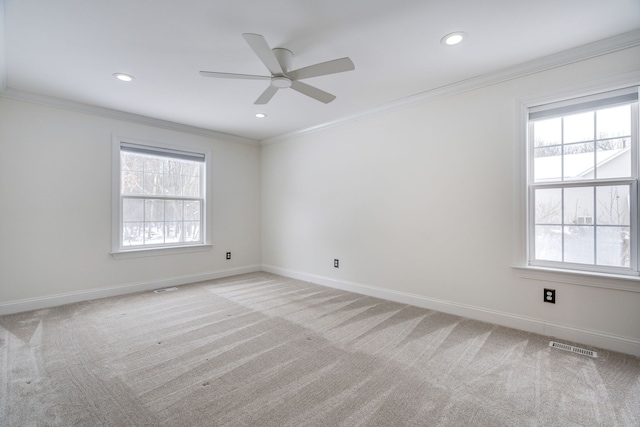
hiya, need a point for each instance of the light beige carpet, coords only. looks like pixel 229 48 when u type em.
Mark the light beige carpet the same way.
pixel 263 350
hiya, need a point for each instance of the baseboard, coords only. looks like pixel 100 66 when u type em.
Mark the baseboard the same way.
pixel 575 335
pixel 72 297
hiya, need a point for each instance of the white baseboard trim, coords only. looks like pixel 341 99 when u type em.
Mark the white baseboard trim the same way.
pixel 112 291
pixel 576 335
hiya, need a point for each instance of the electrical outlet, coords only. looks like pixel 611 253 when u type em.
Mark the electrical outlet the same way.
pixel 550 296
pixel 336 263
pixel 228 255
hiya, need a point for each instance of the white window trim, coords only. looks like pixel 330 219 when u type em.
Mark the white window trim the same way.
pixel 116 211
pixel 521 245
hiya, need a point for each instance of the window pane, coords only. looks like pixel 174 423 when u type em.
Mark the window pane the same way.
pixel 173 167
pixel 132 210
pixel 578 161
pixel 614 246
pixel 547 132
pixel 579 244
pixel 613 205
pixel 172 178
pixel 192 210
pixel 548 206
pixel 548 243
pixel 191 168
pixel 153 164
pixel 173 210
pixel 547 164
pixel 613 157
pixel 173 232
pixel 191 185
pixel 172 185
pixel 579 127
pixel 131 182
pixel 131 162
pixel 578 205
pixel 132 234
pixel 613 122
pixel 192 231
pixel 154 233
pixel 153 184
pixel 153 210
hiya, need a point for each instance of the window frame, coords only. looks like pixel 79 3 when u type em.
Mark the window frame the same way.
pixel 583 274
pixel 119 251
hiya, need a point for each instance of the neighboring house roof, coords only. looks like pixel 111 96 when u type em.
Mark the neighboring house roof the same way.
pixel 575 165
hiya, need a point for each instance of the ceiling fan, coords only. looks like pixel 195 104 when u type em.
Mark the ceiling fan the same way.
pixel 278 62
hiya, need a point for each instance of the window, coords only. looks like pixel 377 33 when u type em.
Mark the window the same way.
pixel 159 197
pixel 583 183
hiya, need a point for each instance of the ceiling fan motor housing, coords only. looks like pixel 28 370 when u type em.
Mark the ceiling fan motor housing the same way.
pixel 281 82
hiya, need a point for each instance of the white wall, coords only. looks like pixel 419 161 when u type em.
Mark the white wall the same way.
pixel 418 204
pixel 55 211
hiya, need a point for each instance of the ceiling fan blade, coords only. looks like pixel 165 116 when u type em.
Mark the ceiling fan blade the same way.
pixel 322 69
pixel 232 76
pixel 266 95
pixel 262 49
pixel 313 92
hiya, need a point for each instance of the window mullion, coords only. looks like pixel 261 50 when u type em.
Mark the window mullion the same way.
pixel 634 229
pixel 562 150
pixel 562 227
pixel 595 146
pixel 595 229
pixel 144 220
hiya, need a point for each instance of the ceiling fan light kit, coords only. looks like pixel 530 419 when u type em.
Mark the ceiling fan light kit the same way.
pixel 278 61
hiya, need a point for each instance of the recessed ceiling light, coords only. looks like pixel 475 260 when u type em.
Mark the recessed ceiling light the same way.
pixel 261 115
pixel 453 38
pixel 123 77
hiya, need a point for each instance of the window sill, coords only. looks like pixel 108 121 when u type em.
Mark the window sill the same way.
pixel 583 278
pixel 151 252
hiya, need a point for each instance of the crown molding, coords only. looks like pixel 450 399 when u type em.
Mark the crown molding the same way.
pixel 121 115
pixel 581 53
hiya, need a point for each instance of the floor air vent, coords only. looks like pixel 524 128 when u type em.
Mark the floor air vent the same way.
pixel 159 291
pixel 573 349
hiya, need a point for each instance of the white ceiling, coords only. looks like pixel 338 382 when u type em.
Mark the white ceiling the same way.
pixel 69 49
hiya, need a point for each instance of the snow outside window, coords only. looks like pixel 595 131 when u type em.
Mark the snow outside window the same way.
pixel 582 183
